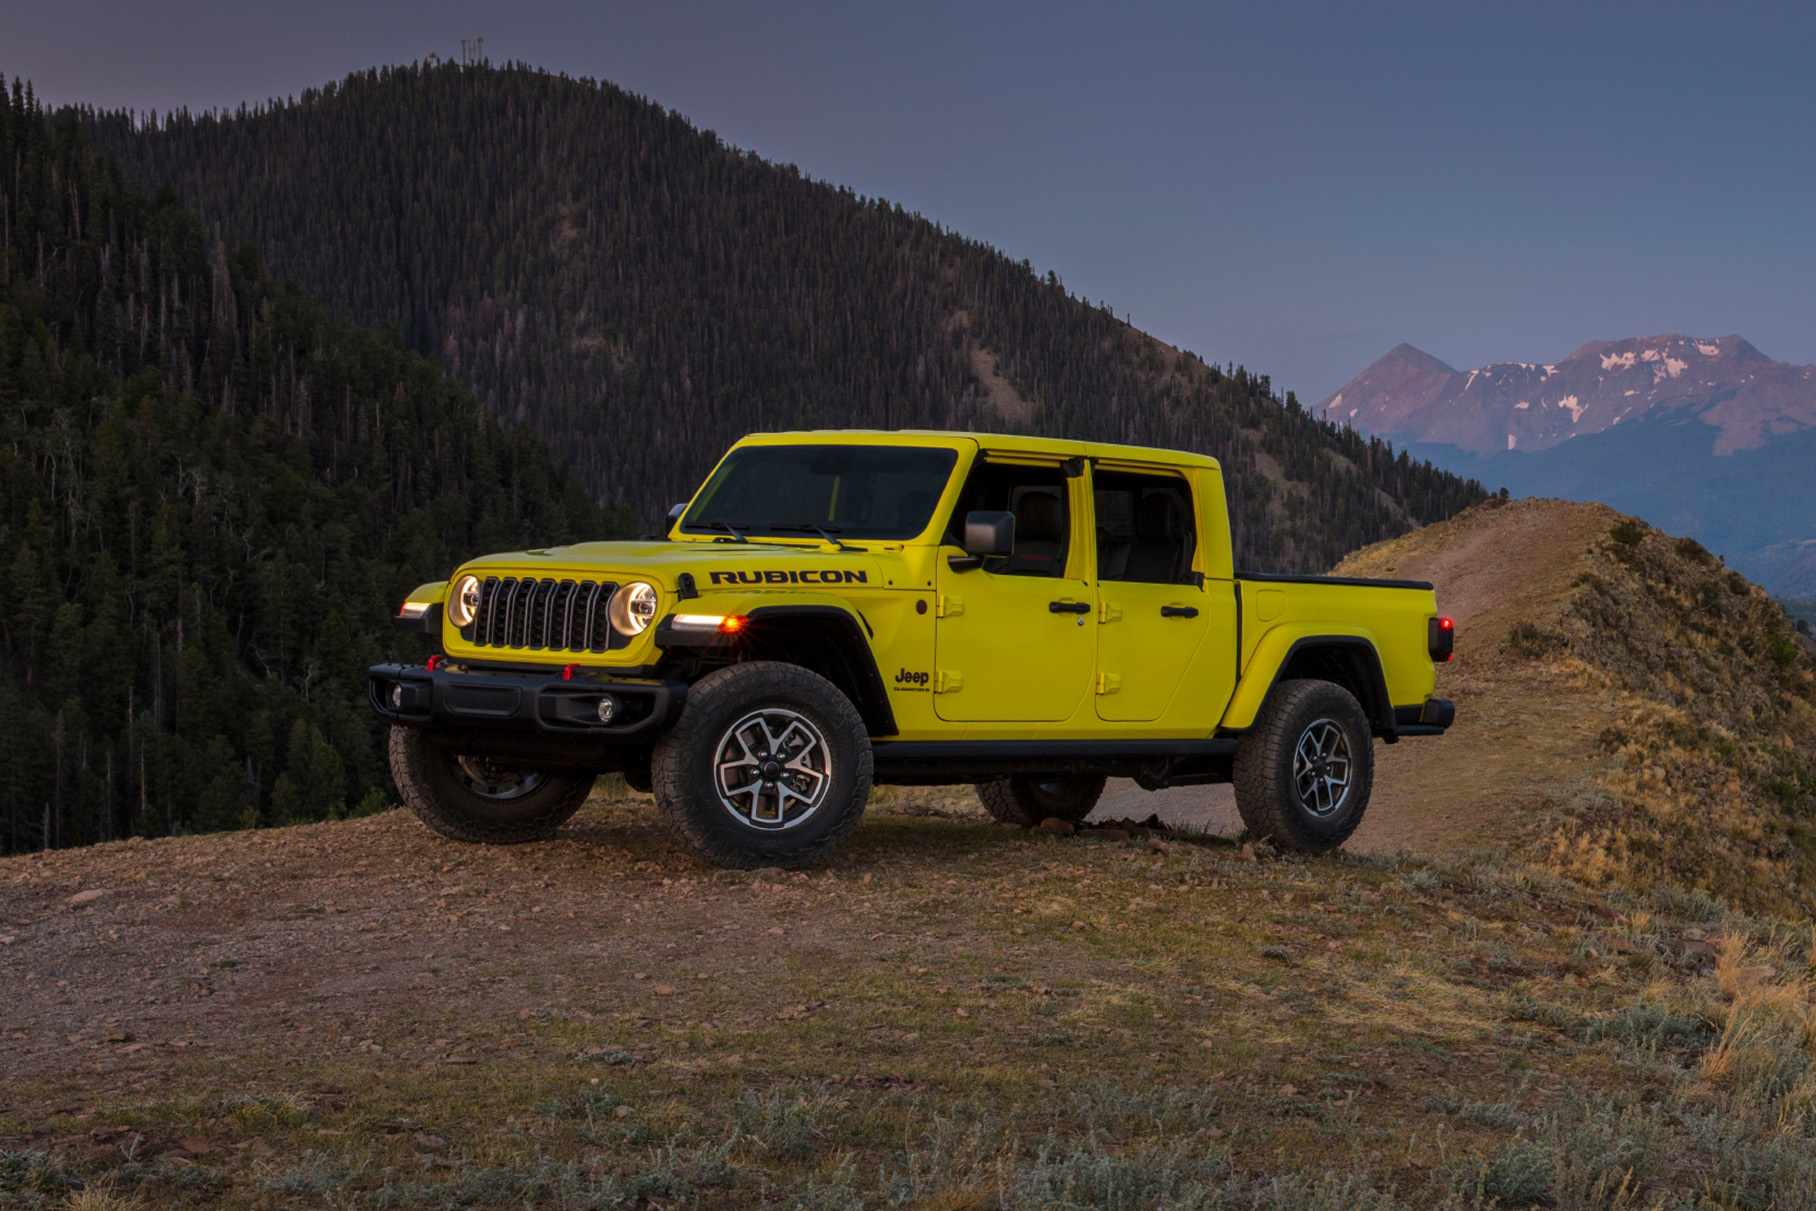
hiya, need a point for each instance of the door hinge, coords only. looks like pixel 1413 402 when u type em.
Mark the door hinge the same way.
pixel 1108 683
pixel 1109 611
pixel 947 682
pixel 947 607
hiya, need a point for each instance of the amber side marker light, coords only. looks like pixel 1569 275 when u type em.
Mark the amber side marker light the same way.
pixel 1441 639
pixel 725 624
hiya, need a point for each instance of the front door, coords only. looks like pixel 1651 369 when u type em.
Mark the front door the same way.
pixel 1152 612
pixel 1013 639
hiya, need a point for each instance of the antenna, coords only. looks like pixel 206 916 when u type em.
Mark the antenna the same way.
pixel 472 52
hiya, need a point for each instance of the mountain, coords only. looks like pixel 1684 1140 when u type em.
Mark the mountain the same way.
pixel 215 493
pixel 1727 384
pixel 641 294
pixel 1711 438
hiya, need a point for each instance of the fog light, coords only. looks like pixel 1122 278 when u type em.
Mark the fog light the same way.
pixel 397 695
pixel 608 709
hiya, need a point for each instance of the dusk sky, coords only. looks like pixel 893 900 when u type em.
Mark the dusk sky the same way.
pixel 1295 187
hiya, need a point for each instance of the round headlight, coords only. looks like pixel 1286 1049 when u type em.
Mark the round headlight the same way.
pixel 633 607
pixel 463 602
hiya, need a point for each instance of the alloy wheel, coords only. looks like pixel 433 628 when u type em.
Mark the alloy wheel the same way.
pixel 772 769
pixel 1322 768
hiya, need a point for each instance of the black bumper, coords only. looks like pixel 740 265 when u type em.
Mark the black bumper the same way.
pixel 1431 719
pixel 513 701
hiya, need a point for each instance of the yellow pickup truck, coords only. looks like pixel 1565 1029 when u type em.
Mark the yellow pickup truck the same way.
pixel 834 610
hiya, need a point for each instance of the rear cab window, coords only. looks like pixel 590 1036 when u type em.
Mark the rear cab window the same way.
pixel 1146 527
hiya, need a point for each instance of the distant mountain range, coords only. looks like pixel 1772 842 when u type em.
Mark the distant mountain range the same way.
pixel 1708 437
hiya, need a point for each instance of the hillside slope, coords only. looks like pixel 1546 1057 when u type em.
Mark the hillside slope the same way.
pixel 1628 711
pixel 214 495
pixel 641 294
pixel 1653 702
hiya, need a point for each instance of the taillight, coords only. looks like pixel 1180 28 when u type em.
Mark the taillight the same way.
pixel 1441 638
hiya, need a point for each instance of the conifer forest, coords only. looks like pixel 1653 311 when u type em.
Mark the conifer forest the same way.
pixel 215 495
pixel 263 372
pixel 642 295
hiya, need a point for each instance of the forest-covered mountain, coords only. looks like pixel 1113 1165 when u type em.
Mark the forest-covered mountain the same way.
pixel 641 294
pixel 215 493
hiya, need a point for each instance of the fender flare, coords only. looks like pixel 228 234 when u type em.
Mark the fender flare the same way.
pixel 844 639
pixel 828 637
pixel 1278 650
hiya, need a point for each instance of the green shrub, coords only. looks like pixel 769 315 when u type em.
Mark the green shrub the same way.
pixel 1528 642
pixel 1647 1025
pixel 1522 1007
pixel 1694 551
pixel 1628 531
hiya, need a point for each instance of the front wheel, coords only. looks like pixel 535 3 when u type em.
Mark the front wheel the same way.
pixel 1304 771
pixel 1027 801
pixel 479 799
pixel 769 765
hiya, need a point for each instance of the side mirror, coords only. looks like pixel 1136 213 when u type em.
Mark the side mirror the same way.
pixel 988 534
pixel 674 514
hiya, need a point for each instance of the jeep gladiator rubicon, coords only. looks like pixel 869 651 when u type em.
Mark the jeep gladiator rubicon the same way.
pixel 834 610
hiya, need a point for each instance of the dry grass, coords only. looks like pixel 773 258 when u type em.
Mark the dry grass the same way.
pixel 1602 1013
pixel 1702 776
pixel 933 1030
pixel 101 1197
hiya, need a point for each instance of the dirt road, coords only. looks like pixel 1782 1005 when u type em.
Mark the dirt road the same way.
pixel 1524 738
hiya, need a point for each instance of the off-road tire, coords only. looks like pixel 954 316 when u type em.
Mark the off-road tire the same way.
pixel 685 769
pixel 429 779
pixel 1267 792
pixel 1027 801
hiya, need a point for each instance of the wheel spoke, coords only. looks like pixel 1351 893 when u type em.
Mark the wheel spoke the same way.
pixel 490 780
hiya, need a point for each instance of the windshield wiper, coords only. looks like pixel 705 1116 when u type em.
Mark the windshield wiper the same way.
pixel 822 531
pixel 723 525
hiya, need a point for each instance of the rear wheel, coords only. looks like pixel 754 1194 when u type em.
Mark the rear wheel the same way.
pixel 1029 800
pixel 1305 770
pixel 769 765
pixel 479 799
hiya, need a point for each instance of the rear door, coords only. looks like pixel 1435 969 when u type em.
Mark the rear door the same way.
pixel 1013 640
pixel 1152 613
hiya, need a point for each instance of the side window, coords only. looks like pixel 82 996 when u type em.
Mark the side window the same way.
pixel 1144 528
pixel 1037 497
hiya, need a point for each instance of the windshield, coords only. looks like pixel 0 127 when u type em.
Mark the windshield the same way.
pixel 828 491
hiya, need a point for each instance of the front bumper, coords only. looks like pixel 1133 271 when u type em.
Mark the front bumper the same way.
pixel 468 698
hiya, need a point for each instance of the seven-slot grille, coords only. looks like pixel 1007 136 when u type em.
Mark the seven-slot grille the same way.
pixel 559 615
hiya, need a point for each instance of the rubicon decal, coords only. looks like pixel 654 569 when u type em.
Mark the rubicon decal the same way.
pixel 794 576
